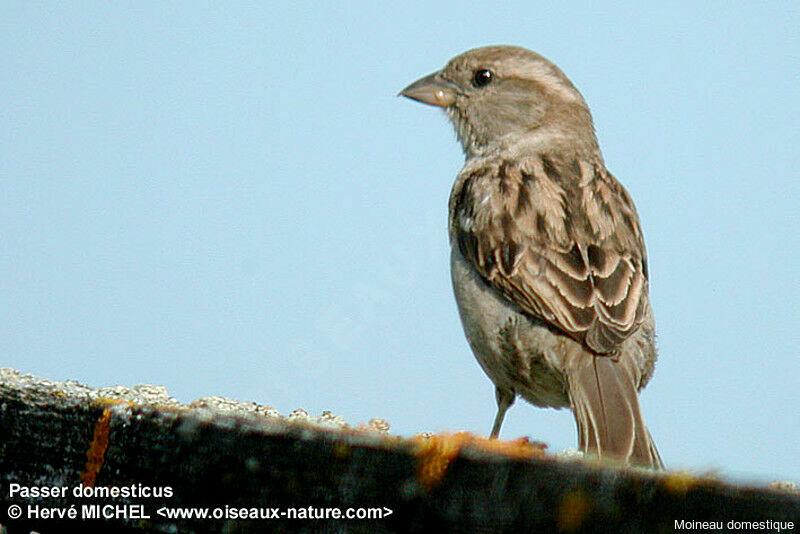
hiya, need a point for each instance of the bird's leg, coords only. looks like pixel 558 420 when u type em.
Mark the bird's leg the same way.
pixel 505 398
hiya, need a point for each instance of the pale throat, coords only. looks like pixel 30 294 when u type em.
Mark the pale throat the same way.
pixel 541 138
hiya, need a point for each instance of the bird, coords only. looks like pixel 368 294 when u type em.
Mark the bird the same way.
pixel 548 259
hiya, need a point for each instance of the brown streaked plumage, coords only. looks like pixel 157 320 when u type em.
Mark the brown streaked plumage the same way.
pixel 548 258
pixel 552 238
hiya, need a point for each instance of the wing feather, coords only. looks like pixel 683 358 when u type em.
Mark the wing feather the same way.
pixel 560 239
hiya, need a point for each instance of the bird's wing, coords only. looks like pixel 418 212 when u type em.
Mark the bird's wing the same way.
pixel 559 239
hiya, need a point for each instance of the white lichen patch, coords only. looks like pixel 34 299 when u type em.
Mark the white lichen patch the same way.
pixel 157 396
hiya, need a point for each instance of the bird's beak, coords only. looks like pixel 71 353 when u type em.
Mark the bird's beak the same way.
pixel 433 90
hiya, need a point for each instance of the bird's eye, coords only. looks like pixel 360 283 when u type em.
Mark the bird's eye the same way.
pixel 482 77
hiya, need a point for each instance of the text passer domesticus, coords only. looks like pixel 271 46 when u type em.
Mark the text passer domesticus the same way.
pixel 548 260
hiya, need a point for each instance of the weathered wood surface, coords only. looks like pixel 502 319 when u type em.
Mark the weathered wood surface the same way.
pixel 63 435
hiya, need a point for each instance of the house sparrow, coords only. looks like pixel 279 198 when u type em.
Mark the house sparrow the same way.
pixel 548 260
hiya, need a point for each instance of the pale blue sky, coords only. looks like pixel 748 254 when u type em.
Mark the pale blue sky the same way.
pixel 230 199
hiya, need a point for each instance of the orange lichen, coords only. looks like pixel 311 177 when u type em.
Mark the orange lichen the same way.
pixel 679 482
pixel 520 448
pixel 99 444
pixel 97 448
pixel 436 452
pixel 573 510
pixel 341 450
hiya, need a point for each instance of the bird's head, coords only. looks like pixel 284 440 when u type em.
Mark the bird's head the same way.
pixel 506 97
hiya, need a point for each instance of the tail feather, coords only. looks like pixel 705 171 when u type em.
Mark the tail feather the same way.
pixel 606 408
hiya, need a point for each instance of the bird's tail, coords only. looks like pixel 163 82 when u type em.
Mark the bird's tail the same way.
pixel 606 408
